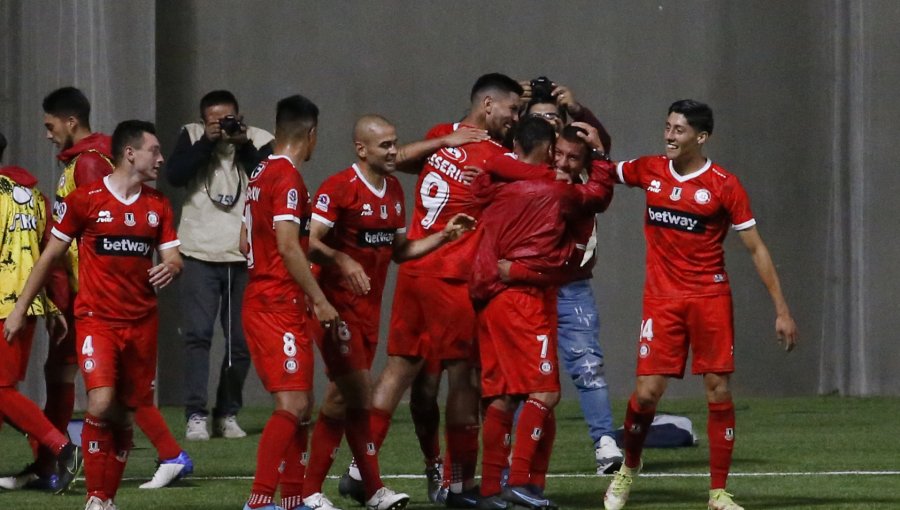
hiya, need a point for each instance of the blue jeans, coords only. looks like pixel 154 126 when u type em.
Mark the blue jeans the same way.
pixel 580 353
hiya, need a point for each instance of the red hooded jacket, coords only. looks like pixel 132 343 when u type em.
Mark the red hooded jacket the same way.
pixel 90 166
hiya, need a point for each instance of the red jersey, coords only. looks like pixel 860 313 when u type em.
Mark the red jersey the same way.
pixel 687 219
pixel 116 239
pixel 276 192
pixel 363 222
pixel 441 194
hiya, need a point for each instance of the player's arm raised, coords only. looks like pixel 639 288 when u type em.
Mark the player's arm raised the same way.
pixel 320 253
pixel 50 256
pixel 410 156
pixel 287 237
pixel 404 249
pixel 168 269
pixel 785 327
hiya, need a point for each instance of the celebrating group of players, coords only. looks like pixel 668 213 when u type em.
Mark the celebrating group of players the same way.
pixel 503 216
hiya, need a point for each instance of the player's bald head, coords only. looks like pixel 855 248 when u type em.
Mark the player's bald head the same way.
pixel 368 127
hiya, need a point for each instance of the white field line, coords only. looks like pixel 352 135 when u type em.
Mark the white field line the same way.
pixel 592 475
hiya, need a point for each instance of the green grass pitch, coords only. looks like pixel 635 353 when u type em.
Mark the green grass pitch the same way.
pixel 823 453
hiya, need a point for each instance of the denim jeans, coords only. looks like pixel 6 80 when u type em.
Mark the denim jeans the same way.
pixel 580 354
pixel 208 290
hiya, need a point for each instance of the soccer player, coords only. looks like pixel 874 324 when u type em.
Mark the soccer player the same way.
pixel 119 222
pixel 358 226
pixel 23 219
pixel 281 288
pixel 431 316
pixel 524 222
pixel 691 202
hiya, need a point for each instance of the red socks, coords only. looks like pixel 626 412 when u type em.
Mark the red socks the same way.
pixel 541 462
pixel 116 460
pixel 276 438
pixel 379 423
pixel 28 417
pixel 295 460
pixel 326 438
pixel 364 448
pixel 529 432
pixel 637 424
pixel 496 433
pixel 462 452
pixel 720 431
pixel 153 425
pixel 97 443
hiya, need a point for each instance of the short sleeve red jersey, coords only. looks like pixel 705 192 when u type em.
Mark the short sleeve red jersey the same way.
pixel 116 239
pixel 687 219
pixel 441 194
pixel 276 192
pixel 363 222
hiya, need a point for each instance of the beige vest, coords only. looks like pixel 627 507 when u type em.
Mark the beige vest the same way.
pixel 210 228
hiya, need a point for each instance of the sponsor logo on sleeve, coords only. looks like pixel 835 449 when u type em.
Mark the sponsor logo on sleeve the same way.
pixel 125 246
pixel 375 238
pixel 323 202
pixel 292 199
pixel 59 208
pixel 674 219
pixel 398 208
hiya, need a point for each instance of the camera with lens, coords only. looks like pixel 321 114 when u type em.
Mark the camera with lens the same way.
pixel 542 89
pixel 230 125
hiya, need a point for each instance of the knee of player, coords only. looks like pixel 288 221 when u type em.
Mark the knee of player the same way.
pixel 549 398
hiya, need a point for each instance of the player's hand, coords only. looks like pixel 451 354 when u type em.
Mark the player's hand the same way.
pixel 563 176
pixel 786 329
pixel 161 275
pixel 458 225
pixel 13 325
pixel 57 327
pixel 503 266
pixel 592 138
pixel 565 99
pixel 526 91
pixel 465 135
pixel 354 275
pixel 469 173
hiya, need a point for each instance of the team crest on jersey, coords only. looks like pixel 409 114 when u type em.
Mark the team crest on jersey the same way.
pixel 89 365
pixel 367 210
pixel 152 218
pixel 384 212
pixel 104 217
pixel 546 367
pixel 644 351
pixel 655 186
pixel 292 199
pixel 323 202
pixel 702 196
pixel 676 194
pixel 455 153
pixel 129 219
pixel 291 366
pixel 398 208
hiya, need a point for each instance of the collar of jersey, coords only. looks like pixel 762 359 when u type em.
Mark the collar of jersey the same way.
pixel 684 178
pixel 377 193
pixel 118 197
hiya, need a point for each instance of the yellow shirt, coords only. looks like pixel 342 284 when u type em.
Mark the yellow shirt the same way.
pixel 23 218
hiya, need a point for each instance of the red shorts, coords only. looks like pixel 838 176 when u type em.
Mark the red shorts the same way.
pixel 431 318
pixel 14 356
pixel 518 344
pixel 347 350
pixel 281 349
pixel 121 355
pixel 63 353
pixel 705 323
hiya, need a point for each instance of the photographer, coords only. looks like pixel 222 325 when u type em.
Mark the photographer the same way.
pixel 212 161
pixel 557 105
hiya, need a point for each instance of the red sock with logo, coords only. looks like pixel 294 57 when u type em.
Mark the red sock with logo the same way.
pixel 541 462
pixel 117 457
pixel 720 431
pixel 379 423
pixel 364 448
pixel 153 425
pixel 326 438
pixel 637 424
pixel 276 437
pixel 529 432
pixel 97 443
pixel 294 469
pixel 29 418
pixel 495 439
pixel 427 421
pixel 462 449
